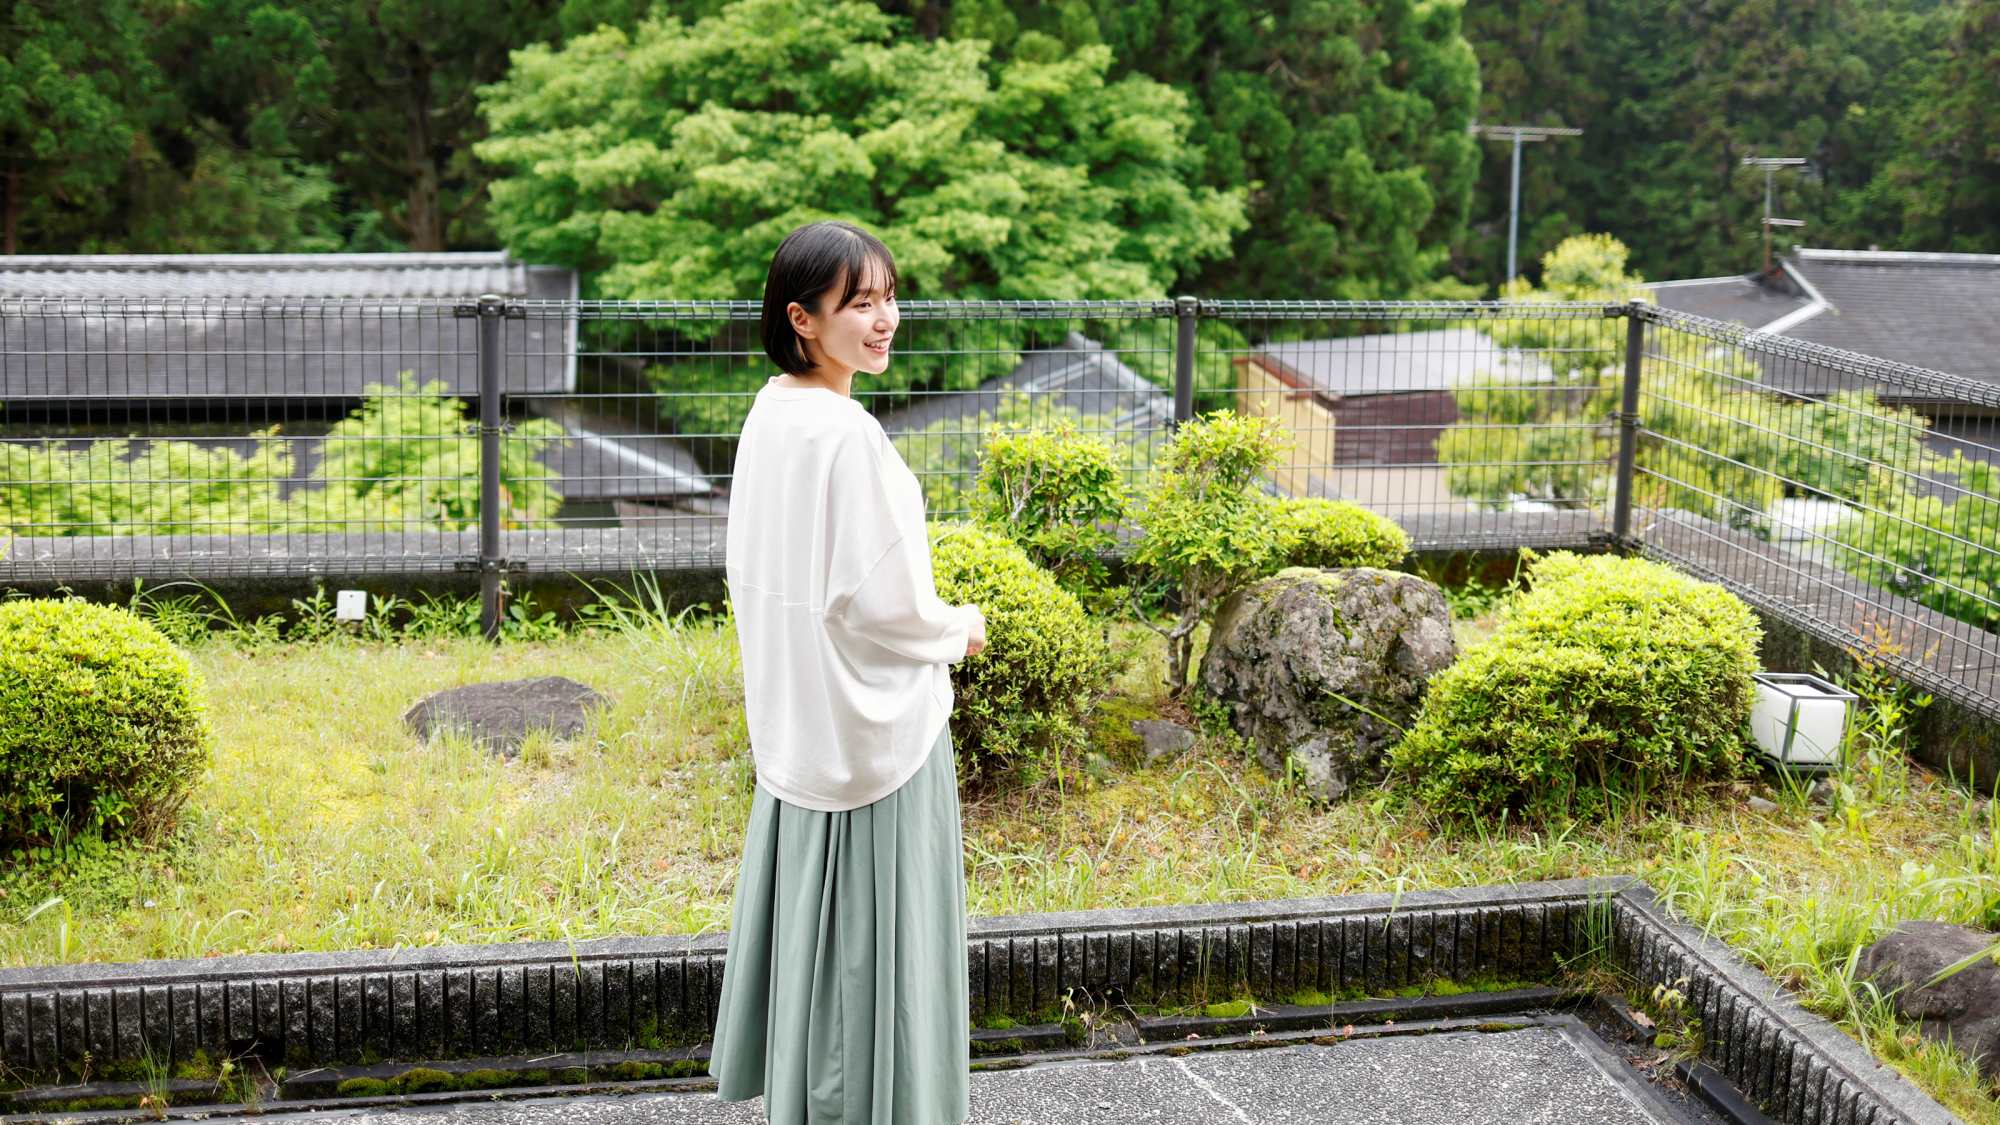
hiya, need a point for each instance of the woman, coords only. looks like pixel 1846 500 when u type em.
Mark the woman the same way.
pixel 844 995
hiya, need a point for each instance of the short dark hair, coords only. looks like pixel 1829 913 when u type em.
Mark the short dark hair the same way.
pixel 806 265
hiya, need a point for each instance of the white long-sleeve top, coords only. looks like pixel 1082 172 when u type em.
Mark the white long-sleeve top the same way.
pixel 846 645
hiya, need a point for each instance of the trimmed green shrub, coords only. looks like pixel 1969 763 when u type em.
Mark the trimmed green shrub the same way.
pixel 102 722
pixel 1206 525
pixel 1023 699
pixel 1057 492
pixel 1610 677
pixel 1329 533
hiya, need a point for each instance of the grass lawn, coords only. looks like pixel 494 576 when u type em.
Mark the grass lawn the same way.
pixel 323 825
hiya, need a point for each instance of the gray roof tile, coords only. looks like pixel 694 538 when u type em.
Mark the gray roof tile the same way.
pixel 1936 311
pixel 1396 362
pixel 1732 300
pixel 203 325
pixel 1940 311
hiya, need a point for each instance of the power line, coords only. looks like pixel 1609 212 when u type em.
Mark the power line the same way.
pixel 1519 133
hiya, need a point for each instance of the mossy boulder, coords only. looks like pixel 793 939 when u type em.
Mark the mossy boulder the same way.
pixel 1326 667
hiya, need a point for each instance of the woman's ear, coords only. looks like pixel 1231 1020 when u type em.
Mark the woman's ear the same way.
pixel 801 320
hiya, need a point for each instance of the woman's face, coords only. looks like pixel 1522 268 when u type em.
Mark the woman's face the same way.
pixel 854 337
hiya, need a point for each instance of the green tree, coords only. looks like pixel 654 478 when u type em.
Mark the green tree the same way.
pixel 400 135
pixel 669 162
pixel 1534 429
pixel 1942 187
pixel 1671 98
pixel 1712 442
pixel 76 90
pixel 1345 119
pixel 1206 526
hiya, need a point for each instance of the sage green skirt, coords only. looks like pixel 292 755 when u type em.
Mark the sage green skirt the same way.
pixel 844 993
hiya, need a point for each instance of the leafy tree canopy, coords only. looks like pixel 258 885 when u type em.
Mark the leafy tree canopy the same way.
pixel 670 161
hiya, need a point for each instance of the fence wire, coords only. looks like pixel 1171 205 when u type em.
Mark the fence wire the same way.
pixel 1854 497
pixel 288 438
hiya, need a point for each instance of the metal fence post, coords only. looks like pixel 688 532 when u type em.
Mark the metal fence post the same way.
pixel 492 310
pixel 1186 310
pixel 1628 427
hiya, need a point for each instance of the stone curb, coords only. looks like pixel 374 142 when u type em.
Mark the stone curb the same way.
pixel 1797 1066
pixel 610 994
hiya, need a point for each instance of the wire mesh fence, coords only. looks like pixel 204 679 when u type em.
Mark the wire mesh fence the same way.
pixel 1853 496
pixel 212 438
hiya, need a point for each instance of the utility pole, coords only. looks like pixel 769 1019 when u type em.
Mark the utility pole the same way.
pixel 1519 133
pixel 1770 165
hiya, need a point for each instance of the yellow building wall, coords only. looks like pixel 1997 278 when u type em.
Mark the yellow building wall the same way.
pixel 1259 393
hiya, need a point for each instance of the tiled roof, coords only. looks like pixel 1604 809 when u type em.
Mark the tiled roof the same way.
pixel 147 326
pixel 1936 311
pixel 281 275
pixel 1732 300
pixel 1940 311
pixel 1396 362
pixel 1078 374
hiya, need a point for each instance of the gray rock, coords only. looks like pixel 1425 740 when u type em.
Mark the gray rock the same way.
pixel 1763 806
pixel 501 714
pixel 1165 739
pixel 1325 666
pixel 1964 1007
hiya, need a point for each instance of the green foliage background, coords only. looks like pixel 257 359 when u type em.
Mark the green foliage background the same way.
pixel 1339 125
pixel 403 462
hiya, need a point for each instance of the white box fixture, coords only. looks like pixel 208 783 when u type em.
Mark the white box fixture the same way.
pixel 1799 719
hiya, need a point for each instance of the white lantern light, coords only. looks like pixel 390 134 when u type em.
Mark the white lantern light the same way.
pixel 1798 719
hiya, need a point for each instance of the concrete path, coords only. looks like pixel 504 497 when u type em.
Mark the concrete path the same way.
pixel 1553 1074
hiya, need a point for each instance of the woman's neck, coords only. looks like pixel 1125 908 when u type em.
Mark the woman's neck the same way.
pixel 839 382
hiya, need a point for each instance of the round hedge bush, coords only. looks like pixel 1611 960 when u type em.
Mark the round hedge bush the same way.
pixel 1610 678
pixel 1024 697
pixel 1336 533
pixel 102 722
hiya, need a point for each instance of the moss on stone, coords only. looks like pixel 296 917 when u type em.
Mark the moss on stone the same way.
pixel 648 1036
pixel 488 1078
pixel 1111 727
pixel 199 1067
pixel 423 1080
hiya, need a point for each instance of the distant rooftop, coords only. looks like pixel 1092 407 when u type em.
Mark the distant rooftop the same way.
pixel 1392 363
pixel 1938 311
pixel 1078 374
pixel 55 352
pixel 1737 299
pixel 421 275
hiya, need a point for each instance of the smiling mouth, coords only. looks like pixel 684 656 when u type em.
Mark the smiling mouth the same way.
pixel 880 347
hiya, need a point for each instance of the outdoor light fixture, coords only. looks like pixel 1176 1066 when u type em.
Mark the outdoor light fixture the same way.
pixel 1799 719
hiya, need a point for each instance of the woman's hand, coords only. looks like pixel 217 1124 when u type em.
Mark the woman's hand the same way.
pixel 978 637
